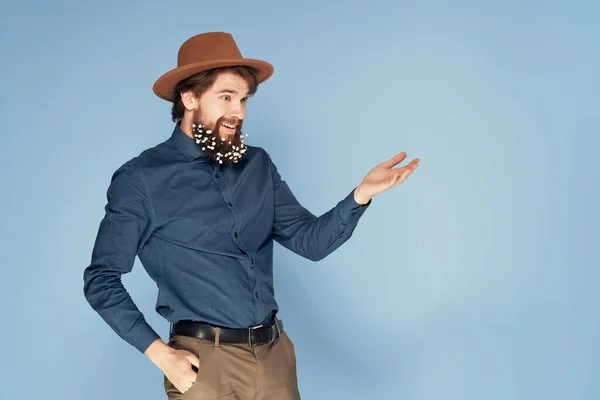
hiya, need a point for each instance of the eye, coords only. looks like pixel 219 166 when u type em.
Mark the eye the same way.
pixel 245 99
pixel 225 97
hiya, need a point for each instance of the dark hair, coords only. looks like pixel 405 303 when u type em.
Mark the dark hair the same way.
pixel 201 81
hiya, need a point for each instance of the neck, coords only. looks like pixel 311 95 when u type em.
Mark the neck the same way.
pixel 186 126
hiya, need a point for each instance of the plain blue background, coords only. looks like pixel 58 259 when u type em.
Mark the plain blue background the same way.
pixel 475 279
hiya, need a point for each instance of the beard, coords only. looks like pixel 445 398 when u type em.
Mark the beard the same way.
pixel 218 147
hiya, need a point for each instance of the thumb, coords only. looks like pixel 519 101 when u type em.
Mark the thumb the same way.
pixel 398 158
pixel 192 358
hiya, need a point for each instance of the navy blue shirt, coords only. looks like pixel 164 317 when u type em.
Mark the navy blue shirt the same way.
pixel 204 233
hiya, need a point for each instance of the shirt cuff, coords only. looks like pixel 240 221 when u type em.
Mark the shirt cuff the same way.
pixel 142 335
pixel 350 209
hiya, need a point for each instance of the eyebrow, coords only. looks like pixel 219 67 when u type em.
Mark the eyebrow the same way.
pixel 230 91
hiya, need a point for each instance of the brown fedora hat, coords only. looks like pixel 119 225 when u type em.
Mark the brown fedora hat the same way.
pixel 207 51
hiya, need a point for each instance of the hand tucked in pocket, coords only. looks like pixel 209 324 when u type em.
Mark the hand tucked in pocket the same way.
pixel 177 365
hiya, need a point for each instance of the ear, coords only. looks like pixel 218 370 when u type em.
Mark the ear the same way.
pixel 189 100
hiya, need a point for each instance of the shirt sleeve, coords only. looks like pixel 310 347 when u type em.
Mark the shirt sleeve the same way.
pixel 123 230
pixel 305 234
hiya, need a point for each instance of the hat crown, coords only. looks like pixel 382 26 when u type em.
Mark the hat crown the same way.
pixel 204 52
pixel 210 46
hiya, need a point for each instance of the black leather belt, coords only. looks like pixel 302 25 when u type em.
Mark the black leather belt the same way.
pixel 252 336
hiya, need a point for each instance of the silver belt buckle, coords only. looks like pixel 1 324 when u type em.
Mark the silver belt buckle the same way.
pixel 250 334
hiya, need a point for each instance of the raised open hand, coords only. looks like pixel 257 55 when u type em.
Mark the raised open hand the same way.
pixel 384 177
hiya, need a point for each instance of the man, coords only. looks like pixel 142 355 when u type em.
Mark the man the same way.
pixel 201 210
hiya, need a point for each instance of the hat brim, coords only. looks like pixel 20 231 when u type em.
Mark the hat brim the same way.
pixel 165 85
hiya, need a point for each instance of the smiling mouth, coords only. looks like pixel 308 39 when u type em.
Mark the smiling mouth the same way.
pixel 228 126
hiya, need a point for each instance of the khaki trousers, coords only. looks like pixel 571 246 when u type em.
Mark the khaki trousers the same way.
pixel 238 371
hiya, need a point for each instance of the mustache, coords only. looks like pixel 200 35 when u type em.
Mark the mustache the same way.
pixel 235 121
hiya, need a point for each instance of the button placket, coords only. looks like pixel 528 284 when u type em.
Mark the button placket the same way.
pixel 224 185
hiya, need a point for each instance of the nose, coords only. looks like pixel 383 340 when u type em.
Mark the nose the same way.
pixel 237 110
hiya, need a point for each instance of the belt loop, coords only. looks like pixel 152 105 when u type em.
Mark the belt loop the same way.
pixel 277 326
pixel 217 336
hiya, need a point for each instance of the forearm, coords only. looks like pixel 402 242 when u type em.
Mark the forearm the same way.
pixel 107 296
pixel 316 237
pixel 309 236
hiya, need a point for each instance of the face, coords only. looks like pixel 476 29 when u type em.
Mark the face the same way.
pixel 217 122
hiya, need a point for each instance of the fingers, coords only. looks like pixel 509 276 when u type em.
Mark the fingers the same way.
pixel 408 167
pixel 398 158
pixel 400 174
pixel 185 387
pixel 181 369
pixel 189 378
pixel 183 381
pixel 413 164
pixel 192 358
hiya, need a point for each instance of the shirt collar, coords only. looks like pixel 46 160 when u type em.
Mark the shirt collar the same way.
pixel 186 145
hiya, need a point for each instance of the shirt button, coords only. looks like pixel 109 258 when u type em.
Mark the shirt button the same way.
pixel 256 295
pixel 217 176
pixel 230 205
pixel 235 234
